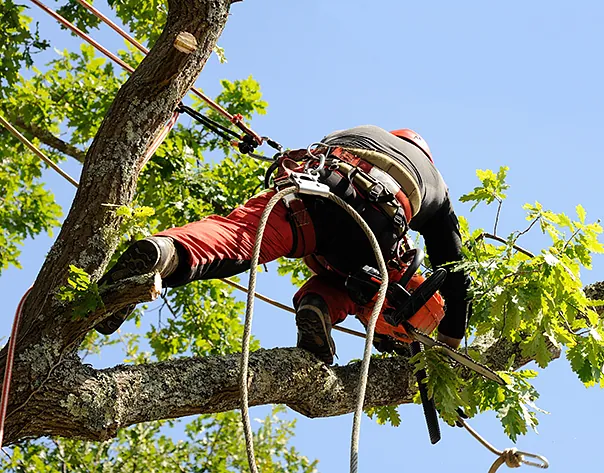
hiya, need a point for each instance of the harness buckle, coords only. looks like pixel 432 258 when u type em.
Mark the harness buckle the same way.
pixel 375 192
pixel 399 218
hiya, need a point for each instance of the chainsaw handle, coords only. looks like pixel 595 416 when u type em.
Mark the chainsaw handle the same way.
pixel 417 257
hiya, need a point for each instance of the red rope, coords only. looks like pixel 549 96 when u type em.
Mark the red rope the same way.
pixel 161 136
pixel 8 370
pixel 83 35
pixel 237 120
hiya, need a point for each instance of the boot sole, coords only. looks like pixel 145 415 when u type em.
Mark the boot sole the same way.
pixel 134 262
pixel 313 337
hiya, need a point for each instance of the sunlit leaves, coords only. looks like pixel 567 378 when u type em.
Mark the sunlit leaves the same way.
pixel 17 43
pixel 536 301
pixel 385 415
pixel 514 402
pixel 443 383
pixel 297 270
pixel 183 182
pixel 80 291
pixel 201 319
pixel 492 187
pixel 26 207
pixel 209 444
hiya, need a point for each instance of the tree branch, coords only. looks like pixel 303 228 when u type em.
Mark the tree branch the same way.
pixel 94 404
pixel 49 139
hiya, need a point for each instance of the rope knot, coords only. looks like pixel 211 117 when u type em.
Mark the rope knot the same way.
pixel 512 458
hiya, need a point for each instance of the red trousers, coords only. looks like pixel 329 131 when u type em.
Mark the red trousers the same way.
pixel 218 247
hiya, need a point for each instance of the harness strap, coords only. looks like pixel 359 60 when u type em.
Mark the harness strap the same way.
pixel 302 227
pixel 303 230
pixel 367 168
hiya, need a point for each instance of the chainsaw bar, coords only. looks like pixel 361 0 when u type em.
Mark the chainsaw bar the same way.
pixel 454 354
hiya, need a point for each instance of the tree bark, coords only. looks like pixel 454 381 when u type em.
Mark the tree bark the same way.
pixel 48 334
pixel 79 401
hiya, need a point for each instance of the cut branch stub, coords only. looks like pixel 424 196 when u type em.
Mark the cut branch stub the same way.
pixel 185 42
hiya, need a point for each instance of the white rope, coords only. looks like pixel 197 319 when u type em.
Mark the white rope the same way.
pixel 377 308
pixel 247 329
pixel 512 457
pixel 362 386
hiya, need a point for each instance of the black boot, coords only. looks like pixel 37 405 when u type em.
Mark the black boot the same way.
pixel 152 254
pixel 314 328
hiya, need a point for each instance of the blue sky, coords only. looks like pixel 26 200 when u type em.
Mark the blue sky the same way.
pixel 486 84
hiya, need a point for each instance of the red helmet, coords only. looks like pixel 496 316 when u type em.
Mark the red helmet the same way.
pixel 412 137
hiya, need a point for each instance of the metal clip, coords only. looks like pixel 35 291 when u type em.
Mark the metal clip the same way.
pixel 321 157
pixel 308 183
pixel 375 192
pixel 543 463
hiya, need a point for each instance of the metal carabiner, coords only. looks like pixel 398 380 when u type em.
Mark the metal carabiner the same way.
pixel 543 461
pixel 321 157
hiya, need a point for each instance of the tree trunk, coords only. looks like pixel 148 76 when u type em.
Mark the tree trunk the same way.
pixel 49 334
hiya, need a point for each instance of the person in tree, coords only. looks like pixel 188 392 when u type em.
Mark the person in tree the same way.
pixel 389 178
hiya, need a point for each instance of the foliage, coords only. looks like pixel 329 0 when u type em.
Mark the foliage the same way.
pixel 385 415
pixel 17 43
pixel 26 207
pixel 135 220
pixel 296 269
pixel 210 443
pixel 81 292
pixel 491 188
pixel 534 300
pixel 192 175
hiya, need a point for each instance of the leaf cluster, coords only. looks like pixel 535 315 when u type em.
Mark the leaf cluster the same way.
pixel 17 44
pixel 81 292
pixel 210 444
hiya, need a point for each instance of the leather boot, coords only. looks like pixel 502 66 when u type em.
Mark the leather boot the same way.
pixel 314 328
pixel 152 254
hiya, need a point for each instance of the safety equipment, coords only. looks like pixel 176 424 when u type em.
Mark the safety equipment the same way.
pixel 410 298
pixel 413 137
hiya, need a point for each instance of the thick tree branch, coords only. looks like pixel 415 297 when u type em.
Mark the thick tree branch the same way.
pixel 49 139
pixel 95 403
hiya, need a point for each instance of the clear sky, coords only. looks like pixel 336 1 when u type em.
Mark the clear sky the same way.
pixel 487 84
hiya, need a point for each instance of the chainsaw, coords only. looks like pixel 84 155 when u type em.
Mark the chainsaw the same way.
pixel 412 305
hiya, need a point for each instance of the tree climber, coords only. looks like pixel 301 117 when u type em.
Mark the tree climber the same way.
pixel 390 180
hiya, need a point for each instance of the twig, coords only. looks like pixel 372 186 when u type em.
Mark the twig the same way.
pixel 570 239
pixel 497 216
pixel 528 228
pixel 502 240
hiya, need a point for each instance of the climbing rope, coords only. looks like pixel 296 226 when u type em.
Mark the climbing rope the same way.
pixel 8 369
pixel 236 119
pixel 36 151
pixel 244 365
pixel 512 457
